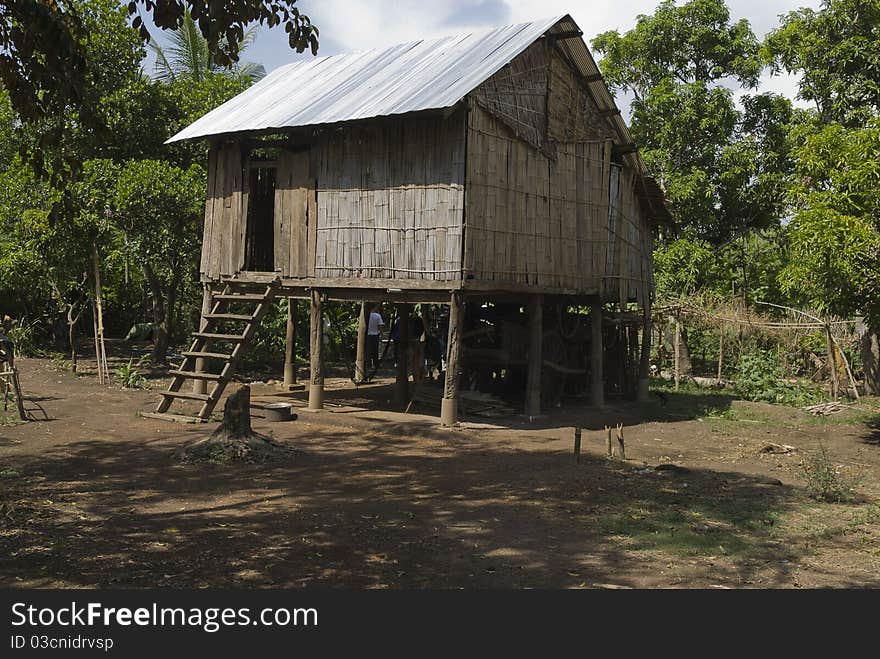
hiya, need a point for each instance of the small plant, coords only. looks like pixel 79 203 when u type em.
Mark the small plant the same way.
pixel 130 377
pixel 827 481
pixel 60 362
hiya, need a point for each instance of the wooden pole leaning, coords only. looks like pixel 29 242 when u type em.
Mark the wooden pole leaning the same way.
pixel 316 350
pixel 449 403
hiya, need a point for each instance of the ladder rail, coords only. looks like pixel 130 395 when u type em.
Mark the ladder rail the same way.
pixel 201 346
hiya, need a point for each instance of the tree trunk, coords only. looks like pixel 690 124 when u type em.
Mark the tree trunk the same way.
pixel 71 336
pixel 869 347
pixel 235 439
pixel 160 316
pixel 236 415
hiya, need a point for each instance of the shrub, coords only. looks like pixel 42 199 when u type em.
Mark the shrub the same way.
pixel 827 481
pixel 759 378
pixel 130 377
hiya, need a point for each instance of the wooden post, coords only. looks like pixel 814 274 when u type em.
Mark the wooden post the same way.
pixel 597 379
pixel 290 347
pixel 832 362
pixel 449 404
pixel 103 371
pixel 645 357
pixel 676 345
pixel 360 358
pixel 316 351
pixel 533 383
pixel 201 386
pixel 577 445
pixel 97 340
pixel 720 352
pixel 621 447
pixel 609 450
pixel 401 384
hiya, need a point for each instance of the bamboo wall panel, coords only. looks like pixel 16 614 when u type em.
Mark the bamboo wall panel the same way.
pixel 572 113
pixel 548 222
pixel 517 94
pixel 390 199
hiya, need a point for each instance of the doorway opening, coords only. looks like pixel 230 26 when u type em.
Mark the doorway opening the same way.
pixel 260 237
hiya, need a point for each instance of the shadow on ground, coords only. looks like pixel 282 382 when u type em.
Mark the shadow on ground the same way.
pixel 361 509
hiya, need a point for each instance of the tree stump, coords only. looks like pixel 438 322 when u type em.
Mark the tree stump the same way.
pixel 235 440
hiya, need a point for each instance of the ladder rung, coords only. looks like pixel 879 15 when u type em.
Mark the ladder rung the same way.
pixel 192 375
pixel 207 355
pixel 242 296
pixel 228 316
pixel 185 394
pixel 219 337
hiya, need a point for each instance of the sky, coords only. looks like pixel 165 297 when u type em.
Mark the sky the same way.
pixel 351 25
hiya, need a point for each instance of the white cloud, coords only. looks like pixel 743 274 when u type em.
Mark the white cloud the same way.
pixel 348 25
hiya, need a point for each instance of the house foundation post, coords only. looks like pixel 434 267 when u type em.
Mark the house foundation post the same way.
pixel 290 346
pixel 533 384
pixel 597 378
pixel 449 403
pixel 316 351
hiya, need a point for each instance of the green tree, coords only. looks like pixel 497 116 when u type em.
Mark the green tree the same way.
pixel 836 53
pixel 835 232
pixel 160 206
pixel 47 67
pixel 188 56
pixel 721 168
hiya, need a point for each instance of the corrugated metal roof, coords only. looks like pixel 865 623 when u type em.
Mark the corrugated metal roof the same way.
pixel 410 77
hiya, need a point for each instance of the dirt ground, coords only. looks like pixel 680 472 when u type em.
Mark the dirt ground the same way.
pixel 371 498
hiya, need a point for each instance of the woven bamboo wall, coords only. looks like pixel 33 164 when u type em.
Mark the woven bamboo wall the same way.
pixel 538 211
pixel 390 199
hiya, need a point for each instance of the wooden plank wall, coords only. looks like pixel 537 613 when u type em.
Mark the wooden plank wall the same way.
pixel 294 186
pixel 223 238
pixel 390 199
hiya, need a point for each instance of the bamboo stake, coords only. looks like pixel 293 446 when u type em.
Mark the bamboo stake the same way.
pixel 608 447
pixel 97 343
pixel 620 444
pixel 676 343
pixel 849 372
pixel 720 352
pixel 832 363
pixel 102 356
pixel 577 445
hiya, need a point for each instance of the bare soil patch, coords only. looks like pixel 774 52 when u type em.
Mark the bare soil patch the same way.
pixel 374 498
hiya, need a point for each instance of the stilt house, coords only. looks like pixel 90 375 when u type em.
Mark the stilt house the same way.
pixel 491 166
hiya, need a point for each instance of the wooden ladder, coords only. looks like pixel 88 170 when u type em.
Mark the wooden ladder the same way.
pixel 203 348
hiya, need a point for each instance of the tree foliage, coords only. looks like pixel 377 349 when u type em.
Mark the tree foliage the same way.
pixel 188 56
pixel 835 239
pixel 48 56
pixel 836 52
pixel 722 168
